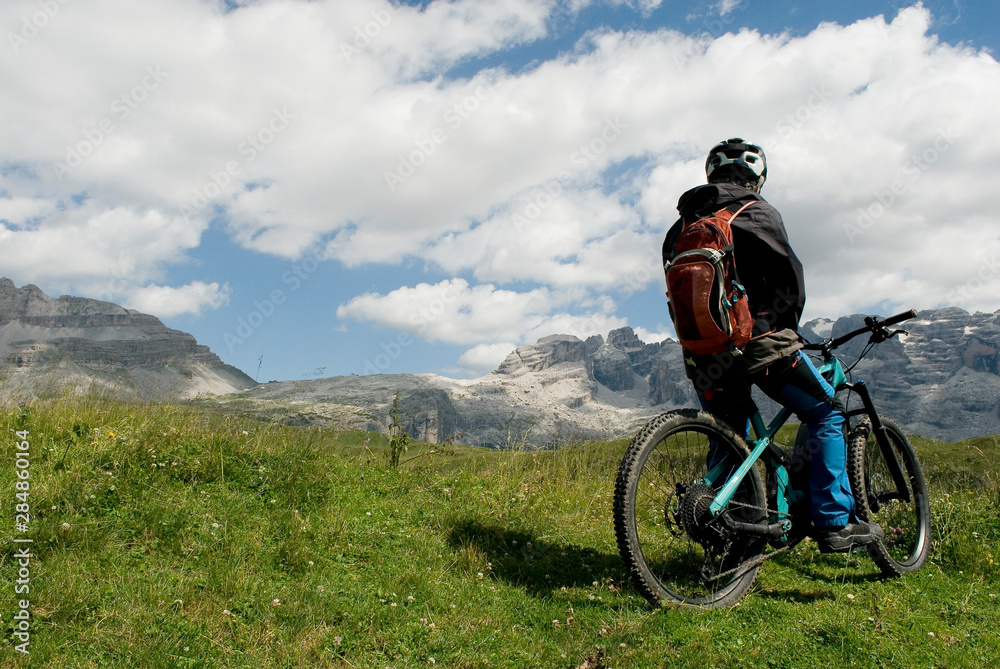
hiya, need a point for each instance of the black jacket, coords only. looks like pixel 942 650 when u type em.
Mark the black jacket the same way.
pixel 765 262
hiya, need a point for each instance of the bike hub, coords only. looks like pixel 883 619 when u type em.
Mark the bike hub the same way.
pixel 694 515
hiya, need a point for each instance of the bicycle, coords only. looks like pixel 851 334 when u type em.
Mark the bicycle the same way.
pixel 693 515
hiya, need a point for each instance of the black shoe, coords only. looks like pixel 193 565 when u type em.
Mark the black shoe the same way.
pixel 844 539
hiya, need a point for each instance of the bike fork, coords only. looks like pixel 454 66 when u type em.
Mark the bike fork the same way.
pixel 888 452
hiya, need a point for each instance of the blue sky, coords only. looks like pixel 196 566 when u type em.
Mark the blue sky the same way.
pixel 352 186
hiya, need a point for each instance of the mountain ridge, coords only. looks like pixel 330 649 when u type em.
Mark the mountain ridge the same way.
pixel 73 344
pixel 941 380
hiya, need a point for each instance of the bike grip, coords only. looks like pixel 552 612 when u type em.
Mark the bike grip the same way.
pixel 899 318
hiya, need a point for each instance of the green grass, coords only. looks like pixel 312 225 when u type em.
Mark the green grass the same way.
pixel 169 536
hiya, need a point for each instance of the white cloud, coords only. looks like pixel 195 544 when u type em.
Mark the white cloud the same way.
pixel 167 302
pixel 484 357
pixel 726 6
pixel 488 318
pixel 435 37
pixel 18 211
pixel 645 6
pixel 650 337
pixel 90 243
pixel 563 238
pixel 263 116
pixel 453 311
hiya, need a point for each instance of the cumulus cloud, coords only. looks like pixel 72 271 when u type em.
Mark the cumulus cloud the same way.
pixel 482 316
pixel 433 38
pixel 562 238
pixel 651 337
pixel 484 357
pixel 452 311
pixel 19 211
pixel 456 312
pixel 337 124
pixel 91 242
pixel 166 301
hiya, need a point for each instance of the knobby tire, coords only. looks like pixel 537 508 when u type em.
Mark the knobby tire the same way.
pixel 665 563
pixel 907 525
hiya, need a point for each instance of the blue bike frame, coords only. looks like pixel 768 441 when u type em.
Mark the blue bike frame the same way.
pixel 763 443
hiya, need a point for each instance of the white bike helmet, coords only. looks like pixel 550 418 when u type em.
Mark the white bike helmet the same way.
pixel 750 165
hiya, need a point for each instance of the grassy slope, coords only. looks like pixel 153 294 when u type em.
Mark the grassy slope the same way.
pixel 172 537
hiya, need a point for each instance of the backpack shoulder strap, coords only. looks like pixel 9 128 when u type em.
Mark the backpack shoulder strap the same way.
pixel 729 221
pixel 670 256
pixel 741 209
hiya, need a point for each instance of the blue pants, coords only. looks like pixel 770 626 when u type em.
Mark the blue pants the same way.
pixel 795 384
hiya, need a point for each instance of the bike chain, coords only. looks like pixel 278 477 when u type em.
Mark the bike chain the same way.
pixel 756 562
pixel 749 565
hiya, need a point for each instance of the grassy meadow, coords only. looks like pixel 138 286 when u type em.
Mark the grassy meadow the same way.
pixel 175 536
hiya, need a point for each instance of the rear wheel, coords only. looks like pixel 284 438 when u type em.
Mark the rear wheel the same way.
pixel 903 512
pixel 673 547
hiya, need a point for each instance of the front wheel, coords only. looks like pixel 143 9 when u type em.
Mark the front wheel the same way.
pixel 675 550
pixel 903 512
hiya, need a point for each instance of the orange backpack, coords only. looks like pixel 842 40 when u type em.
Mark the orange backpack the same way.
pixel 708 305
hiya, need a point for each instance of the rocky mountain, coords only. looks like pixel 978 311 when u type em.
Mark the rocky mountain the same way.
pixel 940 380
pixel 542 394
pixel 48 346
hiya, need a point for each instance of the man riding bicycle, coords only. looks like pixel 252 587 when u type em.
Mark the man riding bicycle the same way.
pixel 772 277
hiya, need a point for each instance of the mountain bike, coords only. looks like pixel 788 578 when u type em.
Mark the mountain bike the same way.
pixel 698 509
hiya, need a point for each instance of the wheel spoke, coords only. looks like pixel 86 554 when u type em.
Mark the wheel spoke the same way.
pixel 906 524
pixel 673 547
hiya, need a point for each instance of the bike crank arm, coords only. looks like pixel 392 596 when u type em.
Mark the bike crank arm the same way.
pixel 774 530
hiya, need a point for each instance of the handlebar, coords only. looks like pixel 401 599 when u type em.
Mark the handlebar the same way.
pixel 878 327
pixel 899 318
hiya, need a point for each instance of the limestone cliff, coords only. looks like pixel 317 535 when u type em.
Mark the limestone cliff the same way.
pixel 49 346
pixel 940 380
